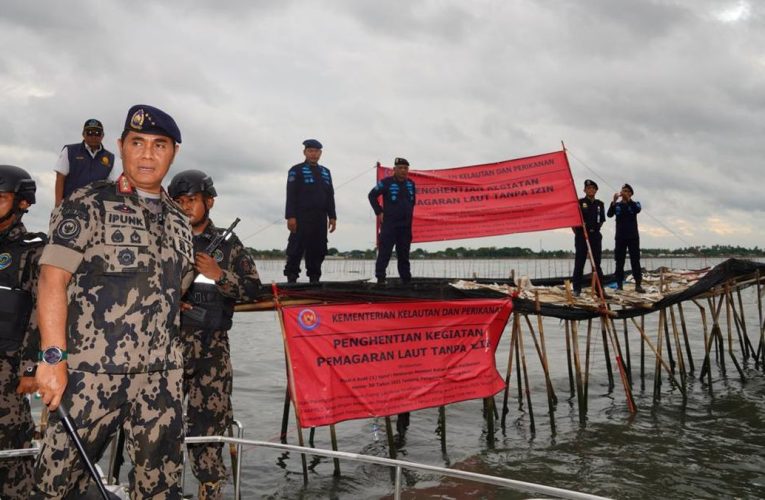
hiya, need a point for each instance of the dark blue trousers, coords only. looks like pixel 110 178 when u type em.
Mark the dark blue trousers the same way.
pixel 401 238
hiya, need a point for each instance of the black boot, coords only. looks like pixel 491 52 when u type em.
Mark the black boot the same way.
pixel 313 279
pixel 292 278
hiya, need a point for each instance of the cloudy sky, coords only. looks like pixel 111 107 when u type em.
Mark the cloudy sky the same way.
pixel 666 95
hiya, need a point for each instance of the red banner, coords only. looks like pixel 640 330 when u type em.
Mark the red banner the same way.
pixel 366 360
pixel 515 196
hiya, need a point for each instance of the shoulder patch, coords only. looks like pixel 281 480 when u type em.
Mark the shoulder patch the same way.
pixel 5 260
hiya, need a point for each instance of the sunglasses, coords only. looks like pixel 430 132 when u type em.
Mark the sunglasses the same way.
pixel 96 133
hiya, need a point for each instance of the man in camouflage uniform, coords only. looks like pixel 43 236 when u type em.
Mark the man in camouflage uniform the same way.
pixel 119 259
pixel 19 255
pixel 228 275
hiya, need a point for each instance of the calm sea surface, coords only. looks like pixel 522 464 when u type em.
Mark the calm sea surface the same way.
pixel 711 446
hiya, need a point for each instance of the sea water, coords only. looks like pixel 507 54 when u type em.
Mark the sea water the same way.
pixel 710 446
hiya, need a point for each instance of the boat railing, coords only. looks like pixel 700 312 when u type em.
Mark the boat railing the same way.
pixel 398 465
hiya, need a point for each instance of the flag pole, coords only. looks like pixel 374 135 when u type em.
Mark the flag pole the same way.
pixel 290 376
pixel 603 306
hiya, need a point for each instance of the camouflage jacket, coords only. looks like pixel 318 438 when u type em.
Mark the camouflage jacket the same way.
pixel 130 266
pixel 20 253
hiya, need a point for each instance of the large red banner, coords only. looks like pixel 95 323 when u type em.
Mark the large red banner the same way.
pixel 354 361
pixel 515 196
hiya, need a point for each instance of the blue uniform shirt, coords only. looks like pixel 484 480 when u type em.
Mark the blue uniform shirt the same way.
pixel 398 200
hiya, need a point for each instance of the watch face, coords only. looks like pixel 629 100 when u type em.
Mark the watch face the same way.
pixel 52 355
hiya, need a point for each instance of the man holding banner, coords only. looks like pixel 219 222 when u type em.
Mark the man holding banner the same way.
pixel 394 219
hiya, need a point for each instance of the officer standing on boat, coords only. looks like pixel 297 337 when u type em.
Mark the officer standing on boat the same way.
pixel 627 236
pixel 19 255
pixel 119 259
pixel 226 276
pixel 394 219
pixel 310 204
pixel 593 215
pixel 82 163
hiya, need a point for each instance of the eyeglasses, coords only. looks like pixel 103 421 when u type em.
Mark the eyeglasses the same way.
pixel 96 133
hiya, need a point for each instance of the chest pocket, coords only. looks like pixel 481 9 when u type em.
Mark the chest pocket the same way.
pixel 126 249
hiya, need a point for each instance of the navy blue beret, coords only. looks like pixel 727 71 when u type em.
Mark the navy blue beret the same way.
pixel 627 186
pixel 590 182
pixel 150 120
pixel 401 161
pixel 312 143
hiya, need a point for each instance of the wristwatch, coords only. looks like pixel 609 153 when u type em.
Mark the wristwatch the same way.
pixel 223 280
pixel 52 355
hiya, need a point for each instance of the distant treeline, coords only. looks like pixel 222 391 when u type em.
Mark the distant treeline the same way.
pixel 527 253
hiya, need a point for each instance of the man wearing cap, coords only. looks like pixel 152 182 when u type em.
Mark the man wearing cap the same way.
pixel 83 163
pixel 226 275
pixel 593 216
pixel 627 236
pixel 119 259
pixel 394 219
pixel 310 204
pixel 19 255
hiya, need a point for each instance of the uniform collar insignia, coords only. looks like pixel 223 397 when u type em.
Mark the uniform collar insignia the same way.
pixel 123 185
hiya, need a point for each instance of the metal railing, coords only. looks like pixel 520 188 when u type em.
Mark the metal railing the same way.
pixel 399 465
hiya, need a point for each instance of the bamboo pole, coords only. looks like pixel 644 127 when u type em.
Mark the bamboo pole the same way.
pixel 333 438
pixel 627 350
pixel 526 379
pixel 742 320
pixel 587 364
pixel 685 337
pixel 442 426
pixel 541 330
pixel 290 377
pixel 631 406
pixel 657 368
pixel 505 407
pixel 488 406
pixel 608 356
pixel 656 353
pixel 579 389
pixel 707 346
pixel 669 345
pixel 551 399
pixel 642 353
pixel 389 435
pixel 678 349
pixel 568 361
pixel 545 369
pixel 728 314
pixel 761 345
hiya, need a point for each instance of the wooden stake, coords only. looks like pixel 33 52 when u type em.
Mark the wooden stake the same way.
pixel 389 434
pixel 505 406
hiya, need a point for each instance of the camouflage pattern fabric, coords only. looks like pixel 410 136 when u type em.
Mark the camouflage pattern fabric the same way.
pixel 131 260
pixel 16 432
pixel 208 375
pixel 149 404
pixel 16 424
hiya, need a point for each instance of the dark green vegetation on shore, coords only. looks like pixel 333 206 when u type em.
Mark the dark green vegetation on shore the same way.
pixel 527 253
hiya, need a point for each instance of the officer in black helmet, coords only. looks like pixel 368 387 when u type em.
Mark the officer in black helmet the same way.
pixel 19 255
pixel 226 276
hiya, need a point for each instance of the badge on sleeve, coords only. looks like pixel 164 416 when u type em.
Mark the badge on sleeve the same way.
pixel 5 260
pixel 68 229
